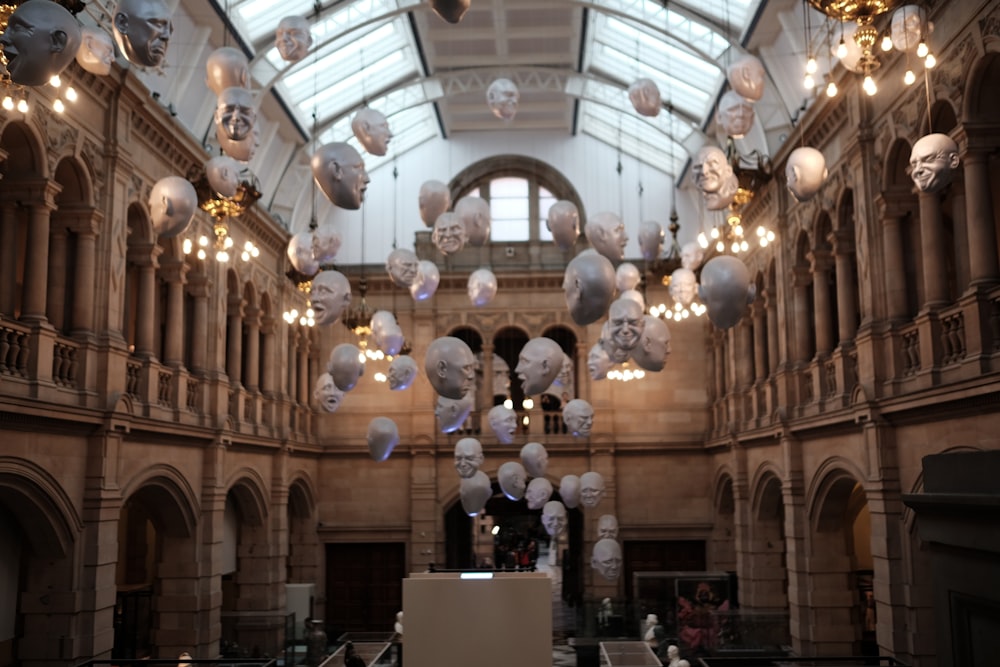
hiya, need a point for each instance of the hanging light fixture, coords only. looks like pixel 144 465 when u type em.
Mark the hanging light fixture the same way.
pixel 752 171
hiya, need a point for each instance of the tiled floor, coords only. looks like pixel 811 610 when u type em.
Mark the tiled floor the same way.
pixel 563 656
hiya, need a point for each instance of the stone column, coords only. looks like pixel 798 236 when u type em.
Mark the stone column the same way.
pixel 760 340
pixel 293 365
pixel 267 328
pixel 932 248
pixel 145 257
pixel 744 355
pixel 198 287
pixel 86 227
pixel 8 254
pixel 175 272
pixel 983 267
pixel 847 303
pixel 303 361
pixel 823 322
pixel 251 353
pixel 771 305
pixel 55 300
pixel 801 279
pixel 36 267
pixel 234 338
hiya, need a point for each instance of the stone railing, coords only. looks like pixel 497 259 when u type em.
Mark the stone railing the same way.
pixel 65 362
pixel 14 349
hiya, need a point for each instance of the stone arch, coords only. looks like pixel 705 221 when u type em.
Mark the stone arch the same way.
pixel 765 474
pixel 982 96
pixel 301 495
pixel 140 227
pixel 170 497
pixel 826 485
pixel 722 545
pixel 38 502
pixel 767 587
pixel 894 171
pixel 247 486
pixel 74 178
pixel 25 152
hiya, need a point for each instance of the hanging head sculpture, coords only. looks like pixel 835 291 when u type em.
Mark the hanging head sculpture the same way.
pixel 475 215
pixel 651 240
pixel 589 285
pixel 450 366
pixel 563 221
pixel 538 364
pixel 41 39
pixel 235 113
pixel 503 421
pixel 172 203
pixel 142 29
pixel 746 77
pixel 434 199
pixel 293 38
pixel 735 115
pixel 427 280
pixel 715 177
pixel 340 173
pixel 513 479
pixel 371 128
pixel 502 97
pixel 805 172
pixel 96 52
pixel 606 233
pixel 725 290
pixel 451 11
pixel 645 97
pixel 569 490
pixel 226 67
pixel 933 162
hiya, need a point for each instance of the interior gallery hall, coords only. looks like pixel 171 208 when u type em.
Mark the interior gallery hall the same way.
pixel 500 332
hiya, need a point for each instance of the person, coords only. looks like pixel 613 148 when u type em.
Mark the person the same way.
pixel 933 161
pixel 223 175
pixel 468 456
pixel 805 172
pixel 563 221
pixel 340 173
pixel 606 233
pixel 538 364
pixel 513 480
pixel 450 367
pixel 735 115
pixel 474 492
pixel 402 372
pixel 651 237
pixel 503 421
pixel 451 11
pixel 293 39
pixel 402 265
pixel 626 323
pixel 371 128
pixel 434 199
pixel 535 459
pixel 746 76
pixel 345 366
pixel 142 30
pixel 645 97
pixel 383 436
pixel 326 394
pixel 474 213
pixel 654 345
pixel 591 489
pixel 226 67
pixel 449 233
pixel 452 412
pixel 426 283
pixel 172 203
pixel 607 527
pixel 725 290
pixel 598 362
pixel 538 493
pixel 606 558
pixel 579 417
pixel 715 177
pixel 683 286
pixel 330 296
pixel 554 518
pixel 235 113
pixel 569 490
pixel 502 97
pixel 351 657
pixel 96 52
pixel 40 41
pixel 589 286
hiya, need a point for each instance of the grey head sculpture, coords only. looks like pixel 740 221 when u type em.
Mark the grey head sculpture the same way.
pixel 538 364
pixel 691 255
pixel 474 492
pixel 450 367
pixel 402 266
pixel 172 203
pixel 427 281
pixel 235 113
pixel 735 115
pixel 654 346
pixel 339 171
pixel 468 456
pixel 345 366
pixel 142 30
pixel 390 340
pixel 383 436
pixel 502 96
pixel 326 394
pixel 589 285
pixel 933 161
pixel 96 51
pixel 578 416
pixel 591 489
pixel 482 287
pixel 293 39
pixel 683 286
pixel 503 422
pixel 449 233
pixel 326 242
pixel 513 479
pixel 451 11
pixel 223 175
pixel 451 413
pixel 635 295
pixel 381 320
pixel 402 372
pixel 569 490
pixel 725 290
pixel 606 558
pixel 371 129
pixel 606 233
pixel 651 238
pixel 598 362
pixel 474 213
pixel 554 518
pixel 746 77
pixel 434 199
pixel 330 296
pixel 627 276
pixel 538 493
pixel 805 172
pixel 242 150
pixel 563 221
pixel 715 177
pixel 607 527
pixel 645 97
pixel 300 253
pixel 607 341
pixel 535 459
pixel 625 323
pixel 226 67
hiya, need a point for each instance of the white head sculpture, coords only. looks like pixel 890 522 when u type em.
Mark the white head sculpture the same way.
pixel 502 97
pixel 607 341
pixel 651 237
pixel 501 376
pixel 852 60
pixel 427 281
pixel 450 366
pixel 607 559
pixel 451 11
pixel 563 221
pixel 627 276
pixel 634 295
pixel 691 255
pixel 382 320
pixel 535 459
pixel 300 253
pixel 226 67
pixel 482 287
pixel 933 162
pixel 223 175
pixel 468 456
pixel 725 290
pixel 402 372
pixel 451 413
pixel 142 29
pixel 513 479
pixel 390 340
pixel 645 97
pixel 565 377
pixel 293 38
pixel 606 233
pixel 434 199
pixel 235 113
pixel 242 150
pixel 683 286
pixel 538 364
pixel 607 527
pixel 96 52
pixel 371 128
pixel 746 77
pixel 474 492
pixel 554 518
pixel 907 27
pixel 339 171
pixel 345 366
pixel 383 436
pixel 326 242
pixel 625 323
pixel 654 346
pixel 326 394
pixel 598 362
pixel 589 284
pixel 330 295
pixel 805 172
pixel 402 266
pixel 503 421
pixel 579 417
pixel 172 203
pixel 715 178
pixel 449 233
pixel 735 115
pixel 475 215
pixel 591 489
pixel 569 490
pixel 538 493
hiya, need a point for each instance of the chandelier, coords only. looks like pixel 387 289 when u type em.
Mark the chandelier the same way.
pixel 753 171
pixel 626 373
pixel 358 318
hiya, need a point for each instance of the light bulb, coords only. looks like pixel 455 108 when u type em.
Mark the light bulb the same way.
pixel 203 241
pixel 528 404
pixel 738 230
pixel 744 246
pixel 720 247
pixel 763 241
pixel 380 377
pixel 222 256
pixel 909 77
pixel 187 246
pixel 735 247
pixel 22 106
pixel 71 94
pixel 247 246
pixel 715 232
pixel 811 65
pixel 886 42
pixel 255 251
pixel 703 240
pixel 842 49
pixel 228 243
pixel 310 322
pixel 8 103
pixel 310 312
pixel 869 85
pixel 669 314
pixel 760 230
pixel 509 404
pixel 831 89
pixel 922 49
pixel 202 254
pixel 770 236
pixel 58 106
pixel 808 82
pixel 245 256
pixel 930 61
pixel 55 81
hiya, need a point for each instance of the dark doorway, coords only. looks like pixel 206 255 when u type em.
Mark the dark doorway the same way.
pixel 364 586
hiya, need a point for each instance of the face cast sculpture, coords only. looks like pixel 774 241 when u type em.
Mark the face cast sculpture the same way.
pixel 427 280
pixel 654 346
pixel 805 172
pixel 226 67
pixel 172 203
pixel 645 97
pixel 142 29
pixel 293 38
pixel 326 394
pixel 683 286
pixel 715 178
pixel 383 436
pixel 907 27
pixel 735 114
pixel 449 233
pixel 468 456
pixel 651 240
pixel 402 371
pixel 325 244
pixel 538 364
pixel 607 527
pixel 606 233
pixel 569 490
pixel 330 295
pixel 626 323
pixel 434 200
pixel 340 173
pixel 725 290
pixel 606 340
pixel 451 413
pixel 482 287
pixel 607 559
pixel 933 162
pixel 513 479
pixel 451 11
pixel 450 367
pixel 96 52
pixel 591 489
pixel 746 77
pixel 627 276
pixel 382 320
pixel 564 223
pixel 372 129
pixel 554 518
pixel 223 174
pixel 538 493
pixel 402 265
pixel 390 340
pixel 503 96
pixel 598 362
pixel 300 253
pixel 40 41
pixel 535 459
pixel 565 377
pixel 589 284
pixel 345 366
pixel 235 114
pixel 242 150
pixel 503 421
pixel 475 215
pixel 634 295
pixel 579 417
pixel 691 255
pixel 474 492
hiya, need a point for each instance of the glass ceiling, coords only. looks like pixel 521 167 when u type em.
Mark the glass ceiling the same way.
pixel 366 51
